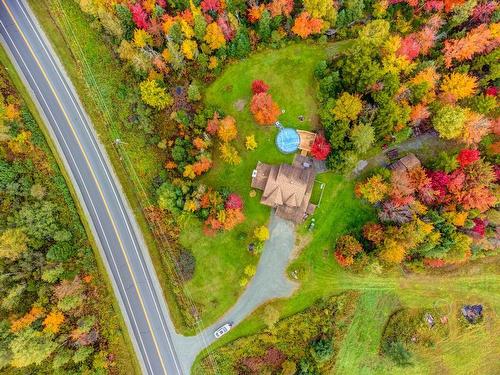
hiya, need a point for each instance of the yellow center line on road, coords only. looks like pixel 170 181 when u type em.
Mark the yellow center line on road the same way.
pixel 95 180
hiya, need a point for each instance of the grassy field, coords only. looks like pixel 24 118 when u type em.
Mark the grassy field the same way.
pixel 360 348
pixel 119 339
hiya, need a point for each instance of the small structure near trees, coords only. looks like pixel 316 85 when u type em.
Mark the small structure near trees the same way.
pixel 472 313
pixel 405 164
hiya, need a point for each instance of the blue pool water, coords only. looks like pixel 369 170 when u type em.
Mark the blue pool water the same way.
pixel 288 140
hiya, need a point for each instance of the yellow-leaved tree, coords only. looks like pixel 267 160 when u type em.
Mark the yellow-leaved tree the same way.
pixel 214 36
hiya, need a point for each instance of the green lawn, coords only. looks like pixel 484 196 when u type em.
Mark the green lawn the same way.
pixel 221 259
pixel 359 351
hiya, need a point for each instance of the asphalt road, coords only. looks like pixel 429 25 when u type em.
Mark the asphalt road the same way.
pixel 121 244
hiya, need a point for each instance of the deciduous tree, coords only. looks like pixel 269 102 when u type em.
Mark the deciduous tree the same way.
pixel 346 249
pixel 264 109
pixel 320 148
pixel 449 121
pixel 347 107
pixel 227 129
pixel 229 154
pixel 53 321
pixel 323 9
pixel 13 242
pixel 374 189
pixel 457 86
pixel 306 25
pixel 154 95
pixel 214 36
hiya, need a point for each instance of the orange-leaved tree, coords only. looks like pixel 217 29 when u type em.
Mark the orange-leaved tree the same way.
pixel 306 25
pixel 264 109
pixel 227 129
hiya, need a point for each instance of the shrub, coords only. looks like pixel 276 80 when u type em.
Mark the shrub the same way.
pixel 261 233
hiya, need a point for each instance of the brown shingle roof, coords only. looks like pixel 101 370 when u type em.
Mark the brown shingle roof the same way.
pixel 287 188
pixel 405 164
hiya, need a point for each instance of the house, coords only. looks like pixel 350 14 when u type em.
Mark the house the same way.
pixel 287 188
pixel 405 164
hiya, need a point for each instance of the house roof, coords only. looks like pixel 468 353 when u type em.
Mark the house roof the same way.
pixel 287 188
pixel 406 163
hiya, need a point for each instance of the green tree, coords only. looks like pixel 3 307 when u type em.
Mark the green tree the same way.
pixel 449 121
pixel 362 136
pixel 127 23
pixel 82 354
pixel 61 252
pixel 62 358
pixel 200 27
pixel 31 347
pixel 154 95
pixel 7 174
pixel 13 242
pixel 321 350
pixel 167 197
pixel 264 26
pixel 38 221
pixel 5 337
pixel 51 275
pixel 194 92
pixel 240 46
pixel 176 56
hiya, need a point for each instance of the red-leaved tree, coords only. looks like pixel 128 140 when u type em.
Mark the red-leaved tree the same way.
pixel 139 16
pixel 467 156
pixel 320 148
pixel 234 201
pixel 259 86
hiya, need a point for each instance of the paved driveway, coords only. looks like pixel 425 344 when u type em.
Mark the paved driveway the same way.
pixel 269 282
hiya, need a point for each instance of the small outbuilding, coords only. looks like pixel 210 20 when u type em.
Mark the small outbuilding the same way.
pixel 405 164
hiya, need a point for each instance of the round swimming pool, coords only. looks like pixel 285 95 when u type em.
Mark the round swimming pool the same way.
pixel 288 140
